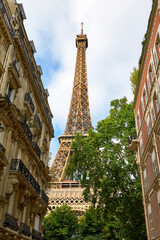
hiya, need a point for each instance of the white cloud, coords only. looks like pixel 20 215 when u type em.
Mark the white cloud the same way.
pixel 115 30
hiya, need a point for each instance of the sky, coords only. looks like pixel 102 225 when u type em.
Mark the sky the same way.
pixel 115 30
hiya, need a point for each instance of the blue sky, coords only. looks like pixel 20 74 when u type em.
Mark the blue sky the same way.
pixel 115 30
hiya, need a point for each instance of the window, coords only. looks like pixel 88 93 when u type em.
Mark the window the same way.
pixel 145 93
pixel 154 163
pixel 152 70
pixel 141 145
pixel 149 128
pixel 157 100
pixel 142 102
pixel 153 111
pixel 10 93
pixel 138 120
pixel 155 57
pixel 148 82
pixel 145 181
pixel 150 221
pixel 158 197
pixel 36 223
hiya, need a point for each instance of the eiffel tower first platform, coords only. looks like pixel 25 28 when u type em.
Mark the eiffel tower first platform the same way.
pixel 63 191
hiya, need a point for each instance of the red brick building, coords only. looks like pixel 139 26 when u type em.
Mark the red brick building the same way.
pixel 147 115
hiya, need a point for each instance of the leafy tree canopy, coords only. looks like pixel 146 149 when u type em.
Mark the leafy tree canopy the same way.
pixel 60 224
pixel 134 79
pixel 107 170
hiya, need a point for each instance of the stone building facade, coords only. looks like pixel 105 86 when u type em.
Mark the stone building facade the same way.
pixel 25 130
pixel 147 116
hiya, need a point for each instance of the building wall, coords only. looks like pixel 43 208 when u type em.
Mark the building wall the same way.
pixel 147 116
pixel 26 130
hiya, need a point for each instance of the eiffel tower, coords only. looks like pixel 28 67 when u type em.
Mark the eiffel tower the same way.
pixel 64 191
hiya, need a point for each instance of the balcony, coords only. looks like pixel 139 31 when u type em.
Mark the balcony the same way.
pixel 37 119
pixel 27 130
pixel 28 100
pixel 18 166
pixel 36 235
pixel 6 18
pixel 36 148
pixel 133 142
pixel 25 230
pixel 44 196
pixel 20 36
pixel 11 222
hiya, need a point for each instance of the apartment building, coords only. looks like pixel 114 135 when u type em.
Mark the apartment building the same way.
pixel 25 130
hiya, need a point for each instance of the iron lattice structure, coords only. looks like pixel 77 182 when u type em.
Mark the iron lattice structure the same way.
pixel 79 120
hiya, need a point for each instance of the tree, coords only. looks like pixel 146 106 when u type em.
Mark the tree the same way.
pixel 60 224
pixel 134 79
pixel 107 170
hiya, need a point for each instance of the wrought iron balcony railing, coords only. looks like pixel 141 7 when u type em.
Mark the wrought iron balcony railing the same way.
pixel 18 165
pixel 25 230
pixel 44 196
pixel 131 137
pixel 36 235
pixel 36 148
pixel 6 18
pixel 2 148
pixel 27 130
pixel 11 222
pixel 27 98
pixel 19 33
pixel 37 119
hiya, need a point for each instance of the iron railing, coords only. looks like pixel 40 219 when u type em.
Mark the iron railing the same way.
pixel 37 119
pixel 19 33
pixel 18 165
pixel 131 137
pixel 36 235
pixel 6 18
pixel 44 196
pixel 27 98
pixel 37 149
pixel 11 222
pixel 25 230
pixel 27 130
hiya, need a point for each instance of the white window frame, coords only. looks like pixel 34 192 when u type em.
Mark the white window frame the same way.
pixel 142 102
pixel 153 111
pixel 152 70
pixel 145 178
pixel 154 163
pixel 150 221
pixel 145 93
pixel 155 56
pixel 157 100
pixel 141 145
pixel 149 127
pixel 148 82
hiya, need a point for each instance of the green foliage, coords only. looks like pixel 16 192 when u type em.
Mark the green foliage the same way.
pixel 107 170
pixel 60 224
pixel 134 79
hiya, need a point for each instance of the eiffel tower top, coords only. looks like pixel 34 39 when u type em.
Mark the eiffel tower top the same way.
pixel 79 119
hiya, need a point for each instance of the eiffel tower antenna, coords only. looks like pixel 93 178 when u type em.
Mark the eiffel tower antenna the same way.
pixel 79 120
pixel 81 27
